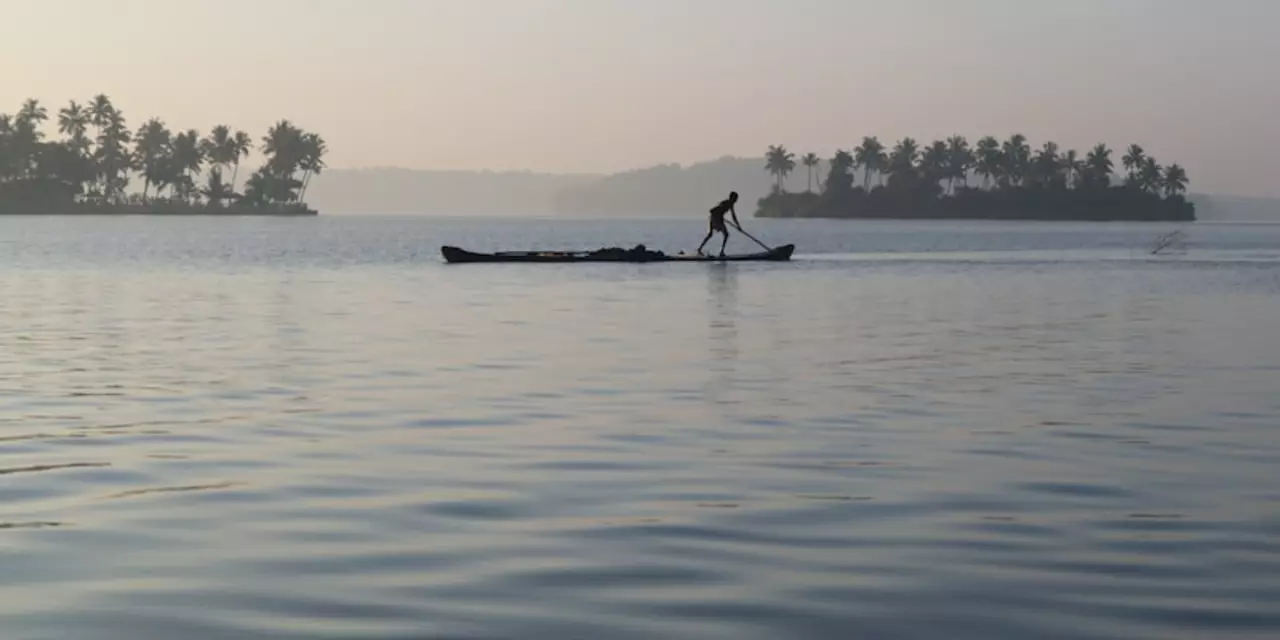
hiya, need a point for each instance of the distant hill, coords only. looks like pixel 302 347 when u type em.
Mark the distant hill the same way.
pixel 414 191
pixel 670 189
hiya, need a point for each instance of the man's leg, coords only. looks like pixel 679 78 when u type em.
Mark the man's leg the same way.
pixel 705 240
pixel 725 231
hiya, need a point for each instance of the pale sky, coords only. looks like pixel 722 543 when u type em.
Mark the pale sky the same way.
pixel 602 85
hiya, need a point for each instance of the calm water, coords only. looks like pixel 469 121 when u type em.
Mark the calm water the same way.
pixel 315 429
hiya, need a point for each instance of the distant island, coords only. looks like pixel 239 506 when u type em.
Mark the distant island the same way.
pixel 89 172
pixel 1016 183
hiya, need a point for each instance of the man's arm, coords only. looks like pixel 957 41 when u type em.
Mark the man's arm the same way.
pixel 733 211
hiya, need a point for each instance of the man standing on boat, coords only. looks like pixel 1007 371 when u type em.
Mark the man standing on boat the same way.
pixel 717 221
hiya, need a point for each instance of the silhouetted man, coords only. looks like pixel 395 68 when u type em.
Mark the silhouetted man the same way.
pixel 717 221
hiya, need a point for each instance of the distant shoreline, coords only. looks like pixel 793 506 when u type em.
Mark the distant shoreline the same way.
pixel 1113 204
pixel 164 209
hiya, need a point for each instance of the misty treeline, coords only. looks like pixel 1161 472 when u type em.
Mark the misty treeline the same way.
pixel 950 178
pixel 96 157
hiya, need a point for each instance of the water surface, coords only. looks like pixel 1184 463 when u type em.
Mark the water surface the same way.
pixel 295 428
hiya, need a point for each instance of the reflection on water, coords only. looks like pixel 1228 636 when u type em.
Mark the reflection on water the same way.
pixel 329 435
pixel 722 330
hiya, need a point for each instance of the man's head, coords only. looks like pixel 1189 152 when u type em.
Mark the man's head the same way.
pixel 733 196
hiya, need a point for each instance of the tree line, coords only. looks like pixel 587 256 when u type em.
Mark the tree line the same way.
pixel 1012 181
pixel 97 156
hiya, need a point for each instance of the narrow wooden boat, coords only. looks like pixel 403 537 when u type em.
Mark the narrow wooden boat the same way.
pixel 612 254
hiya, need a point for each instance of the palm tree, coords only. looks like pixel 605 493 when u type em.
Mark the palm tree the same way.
pixel 100 111
pixel 1046 166
pixel 241 145
pixel 112 156
pixel 285 149
pixel 217 147
pixel 990 161
pixel 779 162
pixel 1017 155
pixel 33 114
pixel 1098 166
pixel 902 161
pixel 101 114
pixel 313 150
pixel 1133 161
pixel 1149 177
pixel 187 159
pixel 933 162
pixel 152 152
pixel 73 121
pixel 26 137
pixel 810 161
pixel 870 155
pixel 960 161
pixel 1175 180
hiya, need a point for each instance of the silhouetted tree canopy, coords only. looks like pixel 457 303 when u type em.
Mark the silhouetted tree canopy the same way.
pixel 90 167
pixel 1013 182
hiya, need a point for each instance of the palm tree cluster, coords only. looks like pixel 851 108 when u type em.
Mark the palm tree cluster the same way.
pixel 909 175
pixel 92 164
pixel 1006 164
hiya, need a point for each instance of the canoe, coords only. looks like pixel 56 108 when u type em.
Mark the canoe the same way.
pixel 612 254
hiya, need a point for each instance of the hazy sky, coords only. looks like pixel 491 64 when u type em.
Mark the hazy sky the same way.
pixel 591 85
